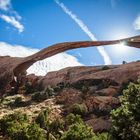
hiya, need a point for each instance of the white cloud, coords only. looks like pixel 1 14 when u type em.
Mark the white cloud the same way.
pixel 42 67
pixel 15 50
pixel 13 21
pixel 5 4
pixel 10 16
pixel 83 27
pixel 137 23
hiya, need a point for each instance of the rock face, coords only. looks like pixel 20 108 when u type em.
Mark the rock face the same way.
pixel 14 67
pixel 114 76
pixel 94 88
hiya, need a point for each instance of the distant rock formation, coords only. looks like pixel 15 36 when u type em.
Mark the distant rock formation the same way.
pixel 96 88
pixel 12 68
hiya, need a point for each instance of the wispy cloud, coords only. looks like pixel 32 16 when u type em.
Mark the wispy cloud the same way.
pixel 53 63
pixel 137 23
pixel 5 4
pixel 10 15
pixel 82 25
pixel 12 20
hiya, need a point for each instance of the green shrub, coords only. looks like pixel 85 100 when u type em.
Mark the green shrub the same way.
pixel 79 109
pixel 85 89
pixel 42 119
pixel 40 96
pixel 17 102
pixel 72 119
pixel 32 132
pixel 16 126
pixel 105 68
pixel 126 118
pixel 13 123
pixel 29 88
pixel 21 90
pixel 56 128
pixel 43 95
pixel 103 136
pixel 50 91
pixel 78 131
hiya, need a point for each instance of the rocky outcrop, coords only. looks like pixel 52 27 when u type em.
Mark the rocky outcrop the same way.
pixel 93 87
pixel 110 79
pixel 11 67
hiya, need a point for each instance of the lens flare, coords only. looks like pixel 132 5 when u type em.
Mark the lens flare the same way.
pixel 121 48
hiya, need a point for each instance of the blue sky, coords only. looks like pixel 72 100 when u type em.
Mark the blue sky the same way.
pixel 44 23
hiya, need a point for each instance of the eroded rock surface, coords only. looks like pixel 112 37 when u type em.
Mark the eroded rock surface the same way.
pixel 14 67
pixel 95 88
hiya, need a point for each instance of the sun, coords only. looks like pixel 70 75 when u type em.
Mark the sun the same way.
pixel 120 48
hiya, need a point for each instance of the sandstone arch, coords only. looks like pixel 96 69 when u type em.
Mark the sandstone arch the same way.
pixel 15 66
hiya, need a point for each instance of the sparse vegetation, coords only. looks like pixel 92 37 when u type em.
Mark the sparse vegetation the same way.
pixel 42 118
pixel 12 124
pixel 18 101
pixel 71 119
pixel 40 96
pixel 43 95
pixel 78 131
pixel 32 132
pixel 16 126
pixel 126 118
pixel 79 109
pixel 105 68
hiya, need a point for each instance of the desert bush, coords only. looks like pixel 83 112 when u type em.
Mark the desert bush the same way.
pixel 85 89
pixel 40 96
pixel 21 90
pixel 17 102
pixel 79 109
pixel 71 119
pixel 78 131
pixel 103 136
pixel 16 126
pixel 29 88
pixel 43 95
pixel 126 118
pixel 50 91
pixel 11 124
pixel 28 132
pixel 105 68
pixel 59 87
pixel 32 132
pixel 42 119
pixel 56 128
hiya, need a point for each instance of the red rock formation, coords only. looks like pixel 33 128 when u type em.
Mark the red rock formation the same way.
pixel 13 66
pixel 115 75
pixel 103 85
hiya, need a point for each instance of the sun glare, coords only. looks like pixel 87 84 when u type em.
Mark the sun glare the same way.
pixel 121 48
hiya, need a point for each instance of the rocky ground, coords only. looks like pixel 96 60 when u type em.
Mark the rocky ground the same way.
pixel 93 90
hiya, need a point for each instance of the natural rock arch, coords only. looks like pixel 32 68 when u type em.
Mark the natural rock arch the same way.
pixel 11 67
